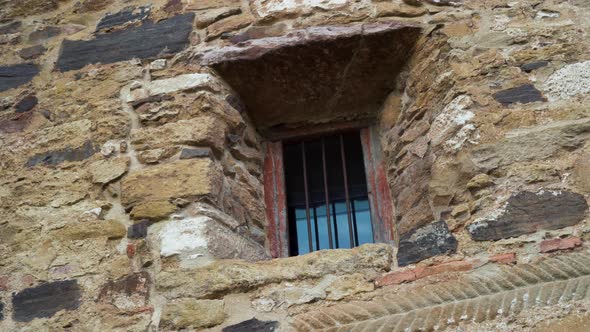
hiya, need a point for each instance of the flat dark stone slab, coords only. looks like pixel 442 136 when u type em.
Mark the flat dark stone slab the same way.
pixel 528 212
pixel 16 75
pixel 526 93
pixel 424 242
pixel 52 158
pixel 138 230
pixel 45 300
pixel 528 67
pixel 317 73
pixel 253 325
pixel 26 104
pixel 148 40
pixel 32 52
pixel 11 27
pixel 126 15
pixel 134 286
pixel 1 310
pixel 195 153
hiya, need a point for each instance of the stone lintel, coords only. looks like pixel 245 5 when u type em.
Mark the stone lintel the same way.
pixel 316 74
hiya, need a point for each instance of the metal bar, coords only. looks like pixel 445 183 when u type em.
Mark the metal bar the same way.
pixel 328 222
pixel 309 238
pixel 335 224
pixel 350 228
pixel 315 222
pixel 356 231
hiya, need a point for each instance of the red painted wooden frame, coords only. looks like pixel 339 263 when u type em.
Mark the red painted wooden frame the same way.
pixel 380 201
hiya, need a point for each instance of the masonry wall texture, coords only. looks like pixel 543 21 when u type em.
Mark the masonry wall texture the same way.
pixel 133 137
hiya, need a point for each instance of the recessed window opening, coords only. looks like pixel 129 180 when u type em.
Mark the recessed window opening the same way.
pixel 327 196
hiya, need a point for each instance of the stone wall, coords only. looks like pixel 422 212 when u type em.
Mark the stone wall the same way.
pixel 131 178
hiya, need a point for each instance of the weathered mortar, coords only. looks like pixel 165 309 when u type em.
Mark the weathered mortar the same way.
pixel 131 187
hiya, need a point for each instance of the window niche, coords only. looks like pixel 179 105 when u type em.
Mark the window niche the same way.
pixel 312 86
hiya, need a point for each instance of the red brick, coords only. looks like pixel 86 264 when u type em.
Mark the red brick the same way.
pixel 560 244
pixel 506 258
pixel 130 250
pixel 399 277
pixel 4 282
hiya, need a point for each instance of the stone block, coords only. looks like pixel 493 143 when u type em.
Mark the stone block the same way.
pixel 198 240
pixel 32 52
pixel 26 104
pixel 526 93
pixel 424 242
pixel 191 313
pixel 180 179
pixel 111 229
pixel 152 210
pixel 56 157
pixel 107 170
pixel 211 16
pixel 571 80
pixel 151 91
pixel 529 67
pixel 560 244
pixel 190 153
pixel 228 25
pixel 138 230
pixel 201 131
pixel 127 293
pixel 399 277
pixel 148 40
pixel 253 325
pixel 226 276
pixel 125 16
pixel 12 76
pixel 385 9
pixel 46 300
pixel 527 212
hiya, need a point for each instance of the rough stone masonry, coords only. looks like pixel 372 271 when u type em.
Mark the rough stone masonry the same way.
pixel 134 136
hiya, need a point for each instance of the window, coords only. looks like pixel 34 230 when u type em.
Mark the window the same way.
pixel 326 191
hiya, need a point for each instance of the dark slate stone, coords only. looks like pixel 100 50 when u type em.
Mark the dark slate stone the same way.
pixel 138 230
pixel 45 33
pixel 195 153
pixel 424 242
pixel 26 104
pixel 134 286
pixel 253 325
pixel 45 300
pixel 15 75
pixel 526 93
pixel 10 27
pixel 528 212
pixel 58 156
pixel 32 52
pixel 1 310
pixel 126 15
pixel 528 67
pixel 145 41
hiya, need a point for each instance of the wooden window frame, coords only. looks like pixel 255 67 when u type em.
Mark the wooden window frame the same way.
pixel 380 201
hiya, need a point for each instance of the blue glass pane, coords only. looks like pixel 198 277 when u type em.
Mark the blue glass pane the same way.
pixel 363 221
pixel 302 236
pixel 342 225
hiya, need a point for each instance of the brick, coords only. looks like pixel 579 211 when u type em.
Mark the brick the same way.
pixel 560 244
pixel 506 258
pixel 399 277
pixel 131 249
pixel 127 293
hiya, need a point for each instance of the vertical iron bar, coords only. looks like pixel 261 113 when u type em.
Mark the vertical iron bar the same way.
pixel 335 225
pixel 328 221
pixel 315 223
pixel 350 228
pixel 306 198
pixel 356 232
